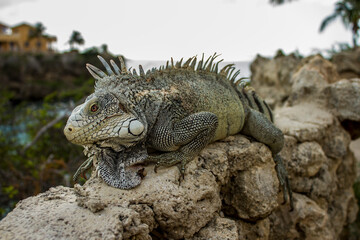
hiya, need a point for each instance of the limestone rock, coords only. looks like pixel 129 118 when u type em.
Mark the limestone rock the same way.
pixel 306 221
pixel 326 69
pixel 252 164
pixel 307 159
pixel 309 80
pixel 355 148
pixel 343 210
pixel 257 197
pixel 55 214
pixel 316 152
pixel 317 81
pixel 163 205
pixel 178 210
pixel 317 155
pixel 218 229
pixel 271 77
pixel 347 63
pixel 305 122
pixel 344 99
pixel 254 230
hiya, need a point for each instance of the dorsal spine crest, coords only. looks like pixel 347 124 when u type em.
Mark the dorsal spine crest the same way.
pixel 210 66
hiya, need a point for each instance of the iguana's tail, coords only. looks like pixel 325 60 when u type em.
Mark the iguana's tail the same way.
pixel 251 99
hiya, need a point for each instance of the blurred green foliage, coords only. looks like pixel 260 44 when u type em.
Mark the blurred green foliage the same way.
pixel 36 89
pixel 337 48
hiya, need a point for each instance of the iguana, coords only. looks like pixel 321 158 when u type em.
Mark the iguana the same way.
pixel 177 109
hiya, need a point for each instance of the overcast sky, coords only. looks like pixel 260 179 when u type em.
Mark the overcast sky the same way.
pixel 160 29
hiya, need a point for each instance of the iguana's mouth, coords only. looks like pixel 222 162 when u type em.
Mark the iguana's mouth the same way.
pixel 111 116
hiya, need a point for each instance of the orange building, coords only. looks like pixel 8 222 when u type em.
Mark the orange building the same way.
pixel 20 39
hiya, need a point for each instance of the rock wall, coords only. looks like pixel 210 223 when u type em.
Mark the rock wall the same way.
pixel 271 77
pixel 163 206
pixel 347 63
pixel 230 191
pixel 320 117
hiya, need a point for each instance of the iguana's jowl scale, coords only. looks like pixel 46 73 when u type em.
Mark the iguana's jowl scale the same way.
pixel 177 109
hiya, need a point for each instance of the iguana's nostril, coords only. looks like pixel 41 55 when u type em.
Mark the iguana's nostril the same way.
pixel 69 131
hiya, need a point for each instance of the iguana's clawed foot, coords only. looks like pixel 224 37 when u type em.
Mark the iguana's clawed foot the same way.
pixel 284 180
pixel 182 169
pixel 83 168
pixel 167 160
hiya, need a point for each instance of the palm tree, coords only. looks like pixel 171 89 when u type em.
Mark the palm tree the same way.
pixel 349 12
pixel 76 38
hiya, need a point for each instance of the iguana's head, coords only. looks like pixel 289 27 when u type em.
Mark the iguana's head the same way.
pixel 108 113
pixel 111 123
pixel 102 117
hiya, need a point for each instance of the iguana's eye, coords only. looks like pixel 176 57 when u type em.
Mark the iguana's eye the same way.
pixel 94 107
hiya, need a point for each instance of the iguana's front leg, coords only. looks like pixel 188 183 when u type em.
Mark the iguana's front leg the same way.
pixel 183 140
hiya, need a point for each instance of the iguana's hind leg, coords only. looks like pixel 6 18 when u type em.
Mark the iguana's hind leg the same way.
pixel 183 140
pixel 263 130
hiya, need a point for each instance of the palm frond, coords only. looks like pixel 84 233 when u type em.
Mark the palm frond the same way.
pixel 349 12
pixel 327 21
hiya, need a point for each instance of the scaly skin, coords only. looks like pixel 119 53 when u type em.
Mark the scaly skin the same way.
pixel 177 110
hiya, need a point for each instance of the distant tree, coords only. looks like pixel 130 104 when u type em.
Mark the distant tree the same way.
pixel 349 12
pixel 279 2
pixel 104 48
pixel 37 32
pixel 76 38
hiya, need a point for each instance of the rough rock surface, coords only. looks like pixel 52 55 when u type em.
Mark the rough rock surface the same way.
pixel 271 77
pixel 347 63
pixel 162 205
pixel 230 190
pixel 319 118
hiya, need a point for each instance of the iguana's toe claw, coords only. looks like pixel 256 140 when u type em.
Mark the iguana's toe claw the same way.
pixel 182 169
pixel 182 175
pixel 156 167
pixel 182 172
pixel 83 174
pixel 153 159
pixel 290 194
pixel 166 160
pixel 284 181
